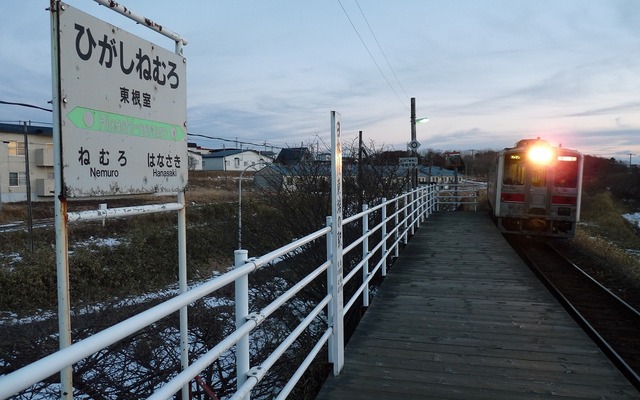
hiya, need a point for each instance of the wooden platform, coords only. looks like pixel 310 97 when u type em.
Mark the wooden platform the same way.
pixel 460 316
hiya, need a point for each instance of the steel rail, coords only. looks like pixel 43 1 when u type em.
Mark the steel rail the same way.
pixel 589 329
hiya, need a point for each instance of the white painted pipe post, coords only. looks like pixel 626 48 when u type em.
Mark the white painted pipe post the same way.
pixel 182 282
pixel 427 194
pixel 423 203
pixel 396 236
pixel 384 237
pixel 432 199
pixel 60 214
pixel 420 206
pixel 243 363
pixel 413 212
pixel 405 224
pixel 365 255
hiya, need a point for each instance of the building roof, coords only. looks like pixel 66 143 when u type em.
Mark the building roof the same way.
pixel 293 155
pixel 223 153
pixel 230 152
pixel 31 129
pixel 436 171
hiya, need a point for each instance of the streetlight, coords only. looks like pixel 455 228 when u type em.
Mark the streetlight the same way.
pixel 253 165
pixel 414 144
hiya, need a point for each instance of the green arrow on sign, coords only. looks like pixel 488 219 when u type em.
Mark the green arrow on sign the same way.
pixel 102 121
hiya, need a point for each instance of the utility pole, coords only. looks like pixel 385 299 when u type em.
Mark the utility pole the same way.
pixel 414 153
pixel 413 119
pixel 28 182
pixel 630 154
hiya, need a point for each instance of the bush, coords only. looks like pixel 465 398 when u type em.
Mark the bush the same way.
pixel 603 217
pixel 30 283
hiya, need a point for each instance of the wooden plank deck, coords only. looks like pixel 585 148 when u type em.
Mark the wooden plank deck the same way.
pixel 460 316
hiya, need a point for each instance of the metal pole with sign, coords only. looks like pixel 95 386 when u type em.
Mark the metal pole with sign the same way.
pixel 414 144
pixel 119 127
pixel 335 272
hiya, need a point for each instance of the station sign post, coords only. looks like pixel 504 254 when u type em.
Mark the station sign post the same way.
pixel 335 274
pixel 120 128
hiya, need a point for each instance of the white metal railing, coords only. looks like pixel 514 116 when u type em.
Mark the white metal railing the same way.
pixel 451 196
pixel 395 221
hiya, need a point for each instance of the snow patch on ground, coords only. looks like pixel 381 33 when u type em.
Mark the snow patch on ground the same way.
pixel 99 242
pixel 633 218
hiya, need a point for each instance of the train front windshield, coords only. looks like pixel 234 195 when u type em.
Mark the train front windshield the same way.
pixel 566 172
pixel 514 169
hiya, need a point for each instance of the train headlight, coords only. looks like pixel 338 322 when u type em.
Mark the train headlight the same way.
pixel 540 155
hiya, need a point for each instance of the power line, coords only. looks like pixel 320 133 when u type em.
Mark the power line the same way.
pixel 24 105
pixel 265 144
pixel 371 55
pixel 382 51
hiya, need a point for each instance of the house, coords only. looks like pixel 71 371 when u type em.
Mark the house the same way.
pixel 195 160
pixel 233 160
pixel 434 174
pixel 293 156
pixel 18 155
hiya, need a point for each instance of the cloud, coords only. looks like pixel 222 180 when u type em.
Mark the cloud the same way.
pixel 626 107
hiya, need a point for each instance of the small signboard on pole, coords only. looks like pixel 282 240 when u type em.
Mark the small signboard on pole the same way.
pixel 123 111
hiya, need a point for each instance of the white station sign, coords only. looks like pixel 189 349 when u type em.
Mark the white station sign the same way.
pixel 123 111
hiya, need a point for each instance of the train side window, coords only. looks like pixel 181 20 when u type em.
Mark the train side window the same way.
pixel 566 174
pixel 513 169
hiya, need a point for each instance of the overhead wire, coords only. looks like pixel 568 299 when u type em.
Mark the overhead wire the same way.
pixel 265 144
pixel 381 50
pixel 371 55
pixel 25 105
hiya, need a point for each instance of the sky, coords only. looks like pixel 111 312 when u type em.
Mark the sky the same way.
pixel 485 72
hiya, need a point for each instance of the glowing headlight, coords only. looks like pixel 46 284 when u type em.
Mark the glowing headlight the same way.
pixel 540 155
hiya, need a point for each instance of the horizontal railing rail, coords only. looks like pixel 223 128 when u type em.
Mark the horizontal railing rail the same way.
pixel 454 195
pixel 385 227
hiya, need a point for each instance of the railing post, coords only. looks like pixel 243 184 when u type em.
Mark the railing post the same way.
pixel 421 204
pixel 417 201
pixel 396 236
pixel 242 310
pixel 412 210
pixel 427 198
pixel 427 194
pixel 384 237
pixel 425 202
pixel 434 198
pixel 182 282
pixel 405 223
pixel 365 255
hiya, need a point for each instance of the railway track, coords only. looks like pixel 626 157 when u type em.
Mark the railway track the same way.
pixel 612 323
pixel 22 226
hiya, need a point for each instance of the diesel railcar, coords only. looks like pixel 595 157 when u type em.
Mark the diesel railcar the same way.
pixel 535 189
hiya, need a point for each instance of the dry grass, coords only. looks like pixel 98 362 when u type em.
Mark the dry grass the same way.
pixel 606 244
